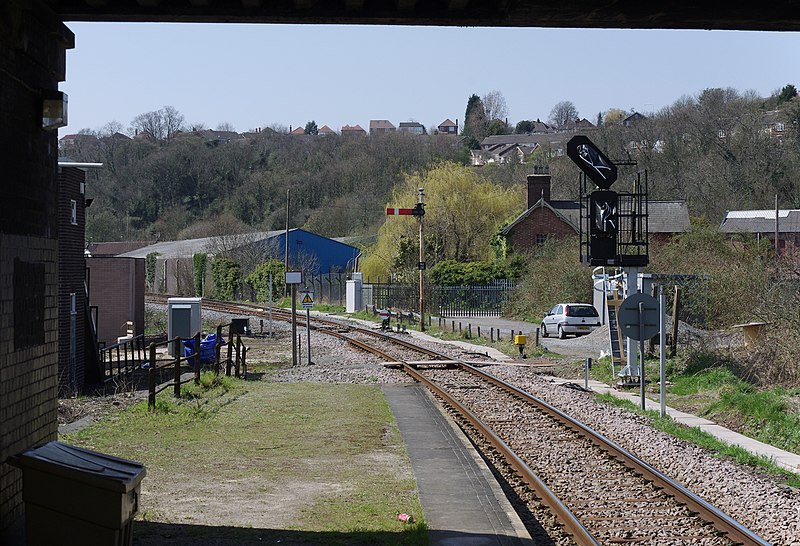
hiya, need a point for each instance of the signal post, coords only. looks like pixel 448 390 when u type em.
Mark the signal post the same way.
pixel 419 212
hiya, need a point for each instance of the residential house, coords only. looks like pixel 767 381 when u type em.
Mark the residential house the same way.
pixel 447 127
pixel 774 123
pixel 763 225
pixel 502 153
pixel 326 131
pixel 380 126
pixel 298 131
pixel 545 218
pixel 413 127
pixel 578 125
pixel 71 143
pixel 552 144
pixel 353 130
pixel 216 138
pixel 632 119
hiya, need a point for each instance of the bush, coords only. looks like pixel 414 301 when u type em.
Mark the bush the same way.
pixel 227 275
pixel 259 279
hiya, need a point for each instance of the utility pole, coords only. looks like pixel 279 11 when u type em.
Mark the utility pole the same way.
pixel 286 237
pixel 421 263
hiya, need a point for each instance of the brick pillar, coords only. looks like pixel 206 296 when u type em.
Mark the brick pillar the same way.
pixel 33 44
pixel 538 188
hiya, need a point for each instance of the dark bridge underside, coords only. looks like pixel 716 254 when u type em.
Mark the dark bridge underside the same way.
pixel 681 14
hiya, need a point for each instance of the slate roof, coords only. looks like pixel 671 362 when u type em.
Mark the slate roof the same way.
pixel 664 216
pixel 531 139
pixel 115 248
pixel 761 221
pixel 188 247
pixel 380 124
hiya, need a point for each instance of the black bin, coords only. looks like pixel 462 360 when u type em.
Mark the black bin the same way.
pixel 76 496
pixel 240 326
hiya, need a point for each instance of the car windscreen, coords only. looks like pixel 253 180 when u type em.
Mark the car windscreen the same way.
pixel 581 311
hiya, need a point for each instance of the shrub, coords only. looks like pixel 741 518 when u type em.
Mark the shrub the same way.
pixel 227 276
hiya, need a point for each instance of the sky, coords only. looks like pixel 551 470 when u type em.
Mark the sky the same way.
pixel 260 75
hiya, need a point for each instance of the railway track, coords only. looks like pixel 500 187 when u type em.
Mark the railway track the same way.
pixel 599 493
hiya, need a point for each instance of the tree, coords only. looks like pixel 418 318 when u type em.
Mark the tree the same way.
pixel 614 115
pixel 462 210
pixel 311 128
pixel 226 126
pixel 562 113
pixel 788 92
pixel 524 126
pixel 161 124
pixel 494 106
pixel 475 122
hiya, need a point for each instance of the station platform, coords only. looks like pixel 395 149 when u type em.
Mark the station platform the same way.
pixel 463 503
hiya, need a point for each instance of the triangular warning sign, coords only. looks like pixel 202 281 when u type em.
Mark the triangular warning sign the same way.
pixel 307 298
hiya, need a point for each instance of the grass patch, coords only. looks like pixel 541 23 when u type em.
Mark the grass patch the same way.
pixel 332 453
pixel 706 440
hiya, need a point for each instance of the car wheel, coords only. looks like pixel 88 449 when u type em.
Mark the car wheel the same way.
pixel 544 331
pixel 561 334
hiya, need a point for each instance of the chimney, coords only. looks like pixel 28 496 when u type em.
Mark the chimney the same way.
pixel 538 188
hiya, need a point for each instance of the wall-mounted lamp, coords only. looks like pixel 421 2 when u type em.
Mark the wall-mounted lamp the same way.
pixel 54 109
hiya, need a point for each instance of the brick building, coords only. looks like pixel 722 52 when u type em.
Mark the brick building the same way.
pixel 72 316
pixel 116 289
pixel 545 219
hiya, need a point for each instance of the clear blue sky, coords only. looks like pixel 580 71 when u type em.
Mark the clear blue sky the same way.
pixel 259 75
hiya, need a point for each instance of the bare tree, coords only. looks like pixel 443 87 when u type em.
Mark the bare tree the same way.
pixel 160 124
pixel 494 104
pixel 562 113
pixel 173 121
pixel 226 126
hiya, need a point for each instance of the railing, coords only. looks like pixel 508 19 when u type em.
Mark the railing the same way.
pixel 446 301
pixel 235 361
pixel 124 357
pixel 471 300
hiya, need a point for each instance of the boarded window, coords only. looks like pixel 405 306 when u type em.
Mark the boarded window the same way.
pixel 28 304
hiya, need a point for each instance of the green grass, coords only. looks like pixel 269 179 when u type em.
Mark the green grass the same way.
pixel 703 439
pixel 338 440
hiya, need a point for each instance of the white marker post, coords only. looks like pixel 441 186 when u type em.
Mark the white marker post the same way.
pixel 293 278
pixel 307 303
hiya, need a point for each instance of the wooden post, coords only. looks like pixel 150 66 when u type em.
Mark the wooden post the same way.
pixel 238 353
pixel 151 379
pixel 229 361
pixel 676 306
pixel 218 349
pixel 479 332
pixel 491 334
pixel 244 361
pixel 197 358
pixel 176 372
pixel 469 330
pixel 459 327
pixel 537 337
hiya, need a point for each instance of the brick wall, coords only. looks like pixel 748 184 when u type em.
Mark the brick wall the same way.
pixel 116 287
pixel 33 45
pixel 541 221
pixel 71 276
pixel 28 369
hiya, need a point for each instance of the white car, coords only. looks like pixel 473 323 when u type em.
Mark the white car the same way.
pixel 570 318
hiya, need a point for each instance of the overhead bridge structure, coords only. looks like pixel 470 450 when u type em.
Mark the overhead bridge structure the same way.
pixel 33 45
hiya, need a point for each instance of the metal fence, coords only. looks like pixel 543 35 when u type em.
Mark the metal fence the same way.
pixel 445 301
pixel 328 288
pixel 473 300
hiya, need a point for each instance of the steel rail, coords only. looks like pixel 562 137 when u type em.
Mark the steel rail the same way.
pixel 734 530
pixel 722 522
pixel 571 523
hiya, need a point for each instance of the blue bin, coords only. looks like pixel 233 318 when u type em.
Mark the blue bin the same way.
pixel 207 348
